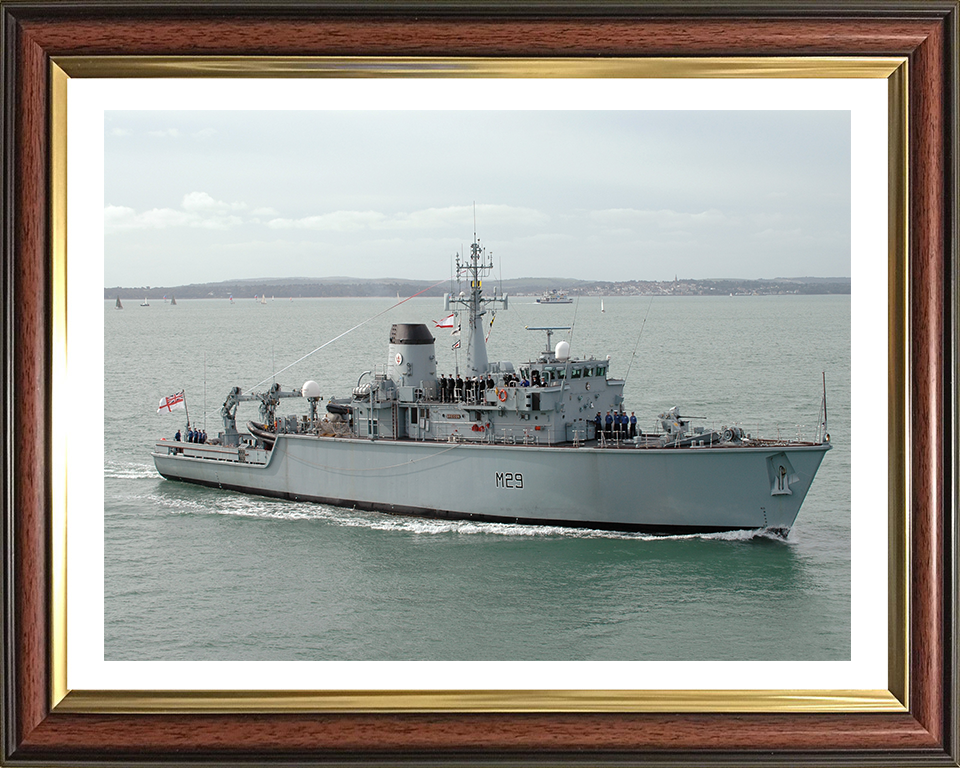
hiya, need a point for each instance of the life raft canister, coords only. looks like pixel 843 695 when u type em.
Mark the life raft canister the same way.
pixel 502 395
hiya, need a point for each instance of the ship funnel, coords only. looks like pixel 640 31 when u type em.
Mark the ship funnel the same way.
pixel 412 361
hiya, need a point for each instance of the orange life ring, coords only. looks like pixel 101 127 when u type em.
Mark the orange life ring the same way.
pixel 502 395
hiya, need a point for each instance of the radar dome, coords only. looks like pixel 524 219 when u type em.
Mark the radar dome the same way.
pixel 310 389
pixel 563 350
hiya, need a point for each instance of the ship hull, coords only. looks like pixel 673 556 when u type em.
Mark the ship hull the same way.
pixel 633 489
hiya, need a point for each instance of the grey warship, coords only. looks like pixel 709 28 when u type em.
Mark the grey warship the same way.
pixel 528 444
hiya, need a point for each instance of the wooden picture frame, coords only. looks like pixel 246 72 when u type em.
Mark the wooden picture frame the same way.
pixel 37 730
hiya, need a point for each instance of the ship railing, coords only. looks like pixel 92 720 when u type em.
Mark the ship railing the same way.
pixel 207 451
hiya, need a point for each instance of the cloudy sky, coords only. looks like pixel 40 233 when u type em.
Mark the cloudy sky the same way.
pixel 205 196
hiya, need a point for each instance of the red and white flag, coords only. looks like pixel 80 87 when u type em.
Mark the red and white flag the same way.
pixel 172 403
pixel 447 322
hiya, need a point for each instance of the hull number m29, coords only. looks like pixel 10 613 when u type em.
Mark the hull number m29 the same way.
pixel 509 480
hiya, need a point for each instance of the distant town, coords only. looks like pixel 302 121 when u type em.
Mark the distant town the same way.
pixel 355 287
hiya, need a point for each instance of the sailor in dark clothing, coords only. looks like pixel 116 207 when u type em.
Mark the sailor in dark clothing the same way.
pixel 609 423
pixel 633 424
pixel 177 436
pixel 458 388
pixel 599 421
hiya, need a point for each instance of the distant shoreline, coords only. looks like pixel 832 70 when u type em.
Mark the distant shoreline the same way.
pixel 357 288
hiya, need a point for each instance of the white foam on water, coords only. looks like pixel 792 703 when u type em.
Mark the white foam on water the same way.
pixel 269 509
pixel 126 470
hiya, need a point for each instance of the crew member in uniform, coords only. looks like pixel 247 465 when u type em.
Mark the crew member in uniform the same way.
pixel 633 425
pixel 609 421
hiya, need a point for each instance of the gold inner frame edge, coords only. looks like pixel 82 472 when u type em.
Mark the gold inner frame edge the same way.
pixel 442 67
pixel 893 69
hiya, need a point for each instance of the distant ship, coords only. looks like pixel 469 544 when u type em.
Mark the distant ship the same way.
pixel 554 297
pixel 545 442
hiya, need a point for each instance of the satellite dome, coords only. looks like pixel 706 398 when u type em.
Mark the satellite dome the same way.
pixel 562 350
pixel 310 389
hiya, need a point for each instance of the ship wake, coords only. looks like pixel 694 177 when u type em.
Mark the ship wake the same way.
pixel 269 509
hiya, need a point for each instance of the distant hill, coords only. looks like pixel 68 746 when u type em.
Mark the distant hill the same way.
pixel 312 287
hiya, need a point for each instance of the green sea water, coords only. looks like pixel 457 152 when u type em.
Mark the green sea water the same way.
pixel 200 574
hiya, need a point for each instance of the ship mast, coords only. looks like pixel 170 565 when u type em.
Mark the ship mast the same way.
pixel 470 304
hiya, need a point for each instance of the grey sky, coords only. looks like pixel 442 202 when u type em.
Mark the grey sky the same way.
pixel 217 195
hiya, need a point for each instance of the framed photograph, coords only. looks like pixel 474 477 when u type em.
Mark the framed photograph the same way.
pixel 79 79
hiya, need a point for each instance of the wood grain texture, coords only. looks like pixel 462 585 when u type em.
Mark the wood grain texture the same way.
pixel 882 739
pixel 295 735
pixel 928 379
pixel 31 416
pixel 445 37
